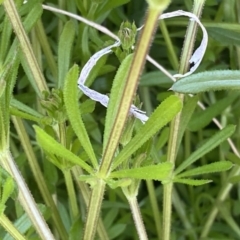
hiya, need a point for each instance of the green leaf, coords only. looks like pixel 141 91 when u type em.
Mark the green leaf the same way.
pixel 209 168
pixel 5 38
pixel 192 182
pixel 234 179
pixel 8 188
pixel 23 223
pixel 2 86
pixel 33 15
pixel 203 118
pixel 64 51
pixel 4 179
pixel 119 183
pixel 114 101
pixel 209 81
pixel 24 108
pixel 87 106
pixel 164 113
pixel 52 146
pixel 210 144
pixel 233 158
pixel 109 5
pixel 74 114
pixel 223 35
pixel 186 115
pixel 154 172
pixel 155 78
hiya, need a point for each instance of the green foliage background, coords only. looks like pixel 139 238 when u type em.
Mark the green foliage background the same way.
pixel 58 43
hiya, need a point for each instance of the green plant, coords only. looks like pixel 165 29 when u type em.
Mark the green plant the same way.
pixel 84 160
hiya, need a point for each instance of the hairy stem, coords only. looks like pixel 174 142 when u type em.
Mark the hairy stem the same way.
pixel 25 197
pixel 121 116
pixel 14 17
pixel 174 129
pixel 137 217
pixel 33 163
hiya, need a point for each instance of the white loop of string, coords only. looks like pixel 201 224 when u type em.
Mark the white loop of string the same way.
pixel 104 99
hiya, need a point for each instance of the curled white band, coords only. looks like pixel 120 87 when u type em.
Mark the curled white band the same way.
pixel 200 51
pixel 103 99
pixel 96 96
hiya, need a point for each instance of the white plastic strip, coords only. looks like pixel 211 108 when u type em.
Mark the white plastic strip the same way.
pixel 96 96
pixel 200 51
pixel 103 99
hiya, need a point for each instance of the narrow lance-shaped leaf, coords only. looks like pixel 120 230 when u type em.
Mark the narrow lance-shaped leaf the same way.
pixel 209 168
pixel 158 172
pixel 208 81
pixel 164 113
pixel 64 51
pixel 24 108
pixel 224 35
pixel 203 118
pixel 114 101
pixel 186 115
pixel 192 182
pixel 8 188
pixel 52 146
pixel 74 114
pixel 210 144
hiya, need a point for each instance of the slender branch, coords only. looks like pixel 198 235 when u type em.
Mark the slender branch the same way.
pixel 10 228
pixel 174 130
pixel 137 217
pixel 33 163
pixel 123 110
pixel 14 17
pixel 25 197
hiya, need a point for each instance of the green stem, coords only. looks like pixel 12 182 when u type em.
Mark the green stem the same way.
pixel 146 98
pixel 235 172
pixel 130 88
pixel 10 228
pixel 137 217
pixel 172 54
pixel 121 116
pixel 68 177
pixel 224 193
pixel 77 171
pixel 174 129
pixel 14 17
pixel 94 210
pixel 33 163
pixel 51 62
pixel 71 194
pixel 25 197
pixel 155 208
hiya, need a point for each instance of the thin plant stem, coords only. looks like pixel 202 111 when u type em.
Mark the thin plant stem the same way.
pixel 137 217
pixel 10 228
pixel 146 97
pixel 41 35
pixel 68 177
pixel 121 116
pixel 14 17
pixel 84 189
pixel 174 129
pixel 172 54
pixel 33 163
pixel 130 88
pixel 25 196
pixel 155 209
pixel 94 209
pixel 71 194
pixel 224 193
